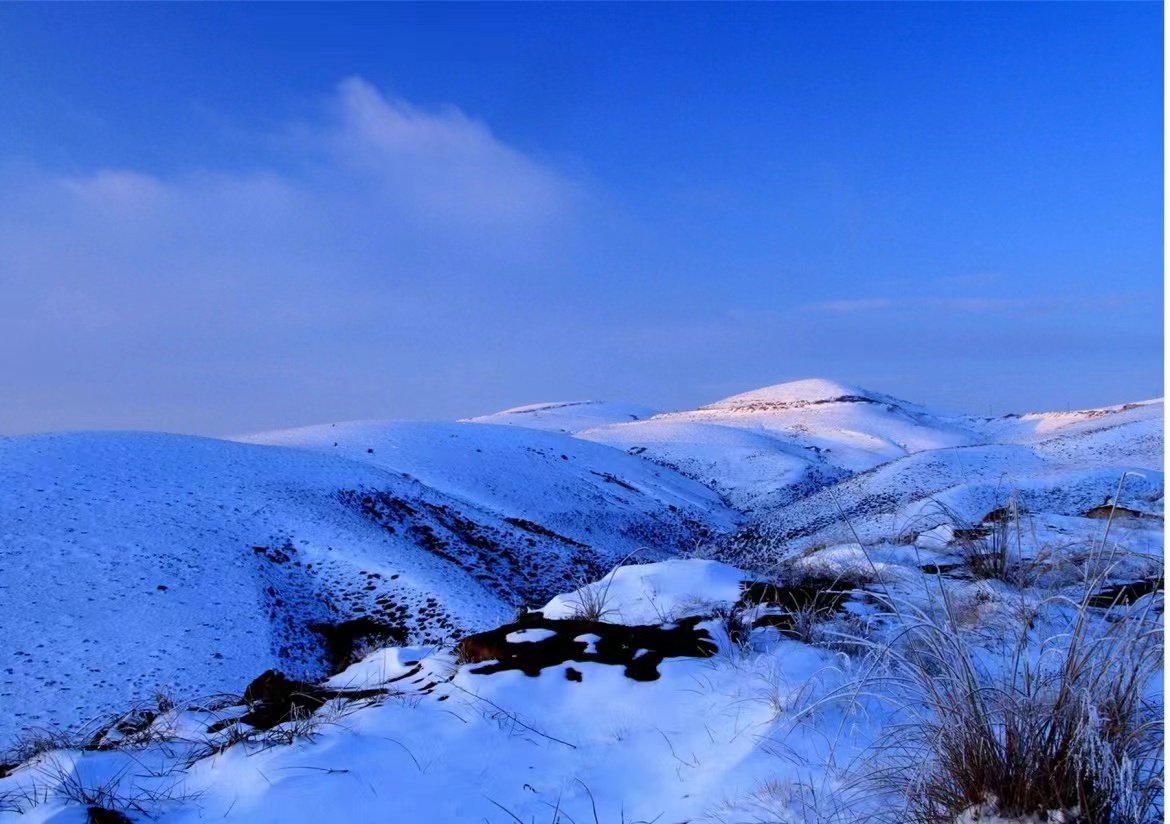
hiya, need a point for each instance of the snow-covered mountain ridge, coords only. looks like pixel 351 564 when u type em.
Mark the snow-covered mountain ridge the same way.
pixel 136 563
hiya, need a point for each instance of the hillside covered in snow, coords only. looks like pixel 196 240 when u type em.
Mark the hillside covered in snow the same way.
pixel 543 612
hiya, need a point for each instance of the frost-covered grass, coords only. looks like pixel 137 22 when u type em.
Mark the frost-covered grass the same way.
pixel 1064 722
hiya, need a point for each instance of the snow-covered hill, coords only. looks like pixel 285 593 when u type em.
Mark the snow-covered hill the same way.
pixel 1059 463
pixel 774 445
pixel 134 562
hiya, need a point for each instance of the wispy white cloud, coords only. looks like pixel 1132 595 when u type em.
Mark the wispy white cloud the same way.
pixel 444 165
pixel 391 228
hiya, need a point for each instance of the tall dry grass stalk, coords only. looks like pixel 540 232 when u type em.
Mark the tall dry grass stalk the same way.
pixel 1063 728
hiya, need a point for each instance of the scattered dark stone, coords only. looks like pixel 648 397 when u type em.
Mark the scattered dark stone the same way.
pixel 132 723
pixel 939 569
pixel 369 452
pixel 1125 594
pixel 277 555
pixel 537 529
pixel 639 648
pixel 274 698
pixel 161 587
pixel 822 594
pixel 574 674
pixel 100 815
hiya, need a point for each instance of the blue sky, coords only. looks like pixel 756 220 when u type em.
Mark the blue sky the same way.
pixel 220 218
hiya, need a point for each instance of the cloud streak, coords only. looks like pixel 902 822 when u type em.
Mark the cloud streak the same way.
pixel 1042 304
pixel 396 228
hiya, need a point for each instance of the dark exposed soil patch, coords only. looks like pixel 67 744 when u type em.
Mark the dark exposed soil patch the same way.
pixel 640 649
pixel 1125 594
pixel 100 815
pixel 772 406
pixel 504 557
pixel 820 593
pixel 345 639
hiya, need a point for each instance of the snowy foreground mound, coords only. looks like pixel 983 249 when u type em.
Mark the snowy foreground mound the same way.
pixel 338 623
pixel 772 718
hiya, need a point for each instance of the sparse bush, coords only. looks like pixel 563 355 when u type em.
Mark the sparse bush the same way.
pixel 989 556
pixel 593 603
pixel 105 795
pixel 36 742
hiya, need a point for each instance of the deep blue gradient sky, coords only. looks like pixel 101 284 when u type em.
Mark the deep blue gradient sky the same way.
pixel 218 218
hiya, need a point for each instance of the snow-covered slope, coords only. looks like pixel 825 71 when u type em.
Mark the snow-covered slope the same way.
pixel 771 446
pixel 135 562
pixel 1058 463
pixel 568 416
pixel 590 493
pixel 132 562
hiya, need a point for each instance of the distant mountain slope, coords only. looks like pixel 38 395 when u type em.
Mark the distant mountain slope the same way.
pixel 1057 463
pixel 1130 432
pixel 786 441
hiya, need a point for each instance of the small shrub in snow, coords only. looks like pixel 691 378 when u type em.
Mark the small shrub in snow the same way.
pixel 36 742
pixel 1066 730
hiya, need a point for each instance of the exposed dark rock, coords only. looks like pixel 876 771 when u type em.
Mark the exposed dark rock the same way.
pixel 640 649
pixel 1107 511
pixel 1001 515
pixel 939 569
pixel 273 699
pixel 821 595
pixel 1124 594
pixel 344 639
